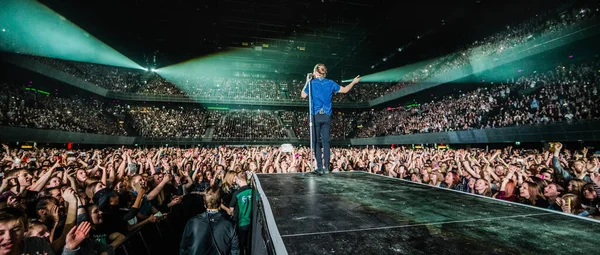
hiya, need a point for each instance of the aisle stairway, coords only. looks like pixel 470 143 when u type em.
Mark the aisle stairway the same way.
pixel 209 133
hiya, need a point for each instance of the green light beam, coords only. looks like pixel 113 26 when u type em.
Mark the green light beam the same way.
pixel 29 27
pixel 395 74
pixel 478 63
pixel 201 71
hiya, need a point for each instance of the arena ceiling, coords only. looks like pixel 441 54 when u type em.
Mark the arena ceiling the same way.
pixel 351 37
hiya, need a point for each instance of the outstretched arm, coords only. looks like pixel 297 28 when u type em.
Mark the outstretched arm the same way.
pixel 349 86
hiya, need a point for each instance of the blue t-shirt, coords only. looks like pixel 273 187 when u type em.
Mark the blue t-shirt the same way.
pixel 322 91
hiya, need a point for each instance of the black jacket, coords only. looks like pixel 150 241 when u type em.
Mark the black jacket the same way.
pixel 197 236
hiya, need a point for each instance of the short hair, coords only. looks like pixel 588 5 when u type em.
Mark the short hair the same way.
pixel 43 202
pixel 46 192
pixel 34 223
pixel 16 172
pixel 242 176
pixel 12 213
pixel 212 197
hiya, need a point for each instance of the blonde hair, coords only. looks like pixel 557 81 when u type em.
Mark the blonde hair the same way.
pixel 316 68
pixel 576 207
pixel 440 178
pixel 487 191
pixel 228 181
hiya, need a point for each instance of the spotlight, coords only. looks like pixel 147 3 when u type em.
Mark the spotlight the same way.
pixel 153 70
pixel 145 69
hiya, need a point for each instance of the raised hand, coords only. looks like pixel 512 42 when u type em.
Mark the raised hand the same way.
pixel 560 202
pixel 595 178
pixel 77 234
pixel 54 212
pixel 69 196
pixel 558 146
pixel 12 201
pixel 167 178
pixel 139 189
pixel 152 218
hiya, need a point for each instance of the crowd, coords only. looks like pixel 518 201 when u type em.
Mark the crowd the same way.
pixel 547 23
pixel 222 88
pixel 270 89
pixel 20 107
pixel 172 122
pixel 108 77
pixel 550 23
pixel 343 124
pixel 562 95
pixel 118 190
pixel 249 125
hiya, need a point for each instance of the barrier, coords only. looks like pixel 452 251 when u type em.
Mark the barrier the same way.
pixel 16 134
pixel 151 239
pixel 564 131
pixel 576 131
pixel 265 235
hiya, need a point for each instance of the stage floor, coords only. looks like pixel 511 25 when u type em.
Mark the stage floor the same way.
pixel 362 213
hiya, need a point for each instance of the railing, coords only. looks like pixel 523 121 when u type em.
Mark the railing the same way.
pixel 265 235
pixel 561 131
pixel 151 239
pixel 565 131
pixel 222 101
pixel 164 237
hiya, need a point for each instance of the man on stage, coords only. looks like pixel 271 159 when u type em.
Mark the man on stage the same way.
pixel 321 91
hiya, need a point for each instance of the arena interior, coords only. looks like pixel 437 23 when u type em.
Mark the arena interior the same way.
pixel 474 128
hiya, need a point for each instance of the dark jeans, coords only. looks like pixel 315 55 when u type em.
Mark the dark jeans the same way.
pixel 244 239
pixel 322 124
